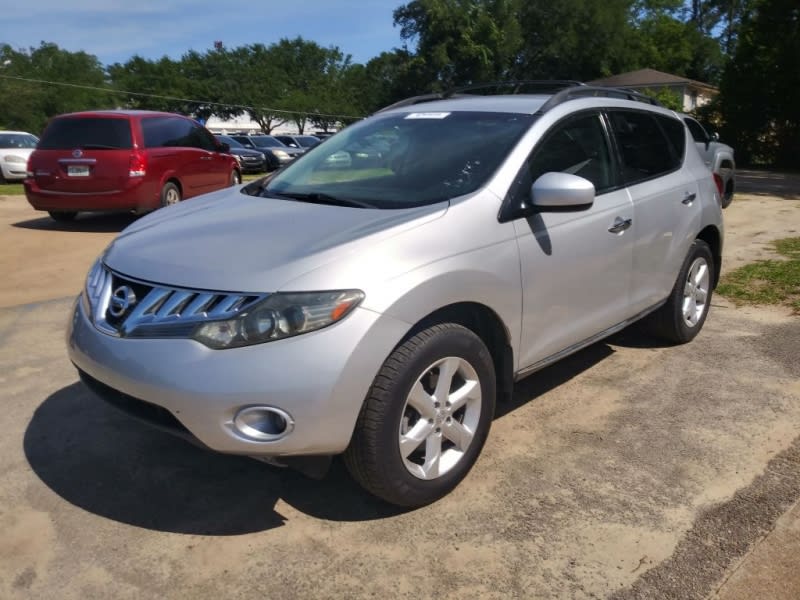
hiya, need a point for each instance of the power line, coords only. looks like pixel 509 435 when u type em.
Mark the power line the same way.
pixel 177 99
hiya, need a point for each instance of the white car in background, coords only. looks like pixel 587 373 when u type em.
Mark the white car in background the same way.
pixel 15 149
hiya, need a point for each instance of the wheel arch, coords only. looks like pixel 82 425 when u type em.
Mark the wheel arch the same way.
pixel 487 325
pixel 711 236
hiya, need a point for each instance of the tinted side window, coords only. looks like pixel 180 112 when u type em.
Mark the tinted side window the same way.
pixel 200 137
pixel 87 133
pixel 577 146
pixel 646 151
pixel 697 131
pixel 676 133
pixel 162 132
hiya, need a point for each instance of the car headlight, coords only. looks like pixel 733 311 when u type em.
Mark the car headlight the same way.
pixel 13 158
pixel 279 316
pixel 280 154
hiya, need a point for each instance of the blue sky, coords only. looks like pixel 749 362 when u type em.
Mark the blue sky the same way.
pixel 115 30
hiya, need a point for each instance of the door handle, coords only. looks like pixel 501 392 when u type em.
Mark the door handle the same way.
pixel 620 225
pixel 205 158
pixel 689 198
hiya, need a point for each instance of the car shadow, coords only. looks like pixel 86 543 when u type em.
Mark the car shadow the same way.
pixel 83 223
pixel 557 374
pixel 768 183
pixel 104 462
pixel 109 464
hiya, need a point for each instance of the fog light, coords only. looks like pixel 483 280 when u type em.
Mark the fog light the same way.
pixel 263 423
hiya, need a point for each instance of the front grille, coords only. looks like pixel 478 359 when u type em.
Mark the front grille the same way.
pixel 128 307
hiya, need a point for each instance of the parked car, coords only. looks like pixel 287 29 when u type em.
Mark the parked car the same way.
pixel 250 161
pixel 301 142
pixel 15 149
pixel 717 156
pixel 380 312
pixel 276 153
pixel 124 160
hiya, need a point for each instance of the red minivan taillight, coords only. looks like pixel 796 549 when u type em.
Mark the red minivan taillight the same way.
pixel 138 166
pixel 718 181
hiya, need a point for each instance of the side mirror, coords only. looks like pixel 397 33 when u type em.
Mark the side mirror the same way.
pixel 714 136
pixel 223 147
pixel 562 191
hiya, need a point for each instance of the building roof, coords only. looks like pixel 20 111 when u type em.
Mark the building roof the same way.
pixel 644 78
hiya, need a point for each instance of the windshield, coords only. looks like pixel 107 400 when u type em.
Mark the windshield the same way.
pixel 403 160
pixel 17 140
pixel 265 141
pixel 230 141
pixel 307 141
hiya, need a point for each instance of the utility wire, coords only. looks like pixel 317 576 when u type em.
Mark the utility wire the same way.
pixel 177 99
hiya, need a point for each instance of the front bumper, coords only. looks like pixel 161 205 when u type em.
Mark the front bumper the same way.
pixel 320 379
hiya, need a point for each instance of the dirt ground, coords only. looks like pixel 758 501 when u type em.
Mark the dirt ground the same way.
pixel 629 469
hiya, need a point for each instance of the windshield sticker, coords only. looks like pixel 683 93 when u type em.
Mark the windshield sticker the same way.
pixel 428 115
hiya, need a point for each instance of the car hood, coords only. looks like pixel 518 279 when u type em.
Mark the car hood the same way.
pixel 229 241
pixel 245 152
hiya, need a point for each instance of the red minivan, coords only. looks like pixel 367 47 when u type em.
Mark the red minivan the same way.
pixel 124 160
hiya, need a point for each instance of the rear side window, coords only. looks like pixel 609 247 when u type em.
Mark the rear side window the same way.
pixel 166 132
pixel 87 133
pixel 676 133
pixel 646 150
pixel 697 131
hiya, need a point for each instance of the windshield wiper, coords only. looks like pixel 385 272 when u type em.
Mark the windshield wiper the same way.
pixel 320 198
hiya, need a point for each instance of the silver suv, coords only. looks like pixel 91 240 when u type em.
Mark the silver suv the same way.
pixel 376 307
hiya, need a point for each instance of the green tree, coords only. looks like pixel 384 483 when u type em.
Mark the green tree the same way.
pixel 40 83
pixel 760 90
pixel 462 41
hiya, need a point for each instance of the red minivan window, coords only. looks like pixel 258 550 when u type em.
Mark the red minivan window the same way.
pixel 87 133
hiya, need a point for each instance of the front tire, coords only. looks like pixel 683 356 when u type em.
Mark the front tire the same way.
pixel 426 417
pixel 236 178
pixel 682 317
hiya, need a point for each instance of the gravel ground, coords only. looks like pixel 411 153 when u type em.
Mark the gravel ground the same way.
pixel 629 469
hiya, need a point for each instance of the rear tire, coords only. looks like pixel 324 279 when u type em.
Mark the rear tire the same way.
pixel 425 418
pixel 681 318
pixel 62 216
pixel 727 196
pixel 170 194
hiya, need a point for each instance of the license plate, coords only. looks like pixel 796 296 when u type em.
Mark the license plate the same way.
pixel 78 171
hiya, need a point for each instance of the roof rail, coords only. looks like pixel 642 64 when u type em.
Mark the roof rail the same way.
pixel 590 90
pixel 544 85
pixel 566 90
pixel 413 100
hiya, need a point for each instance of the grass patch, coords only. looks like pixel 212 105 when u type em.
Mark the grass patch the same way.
pixel 767 281
pixel 11 189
